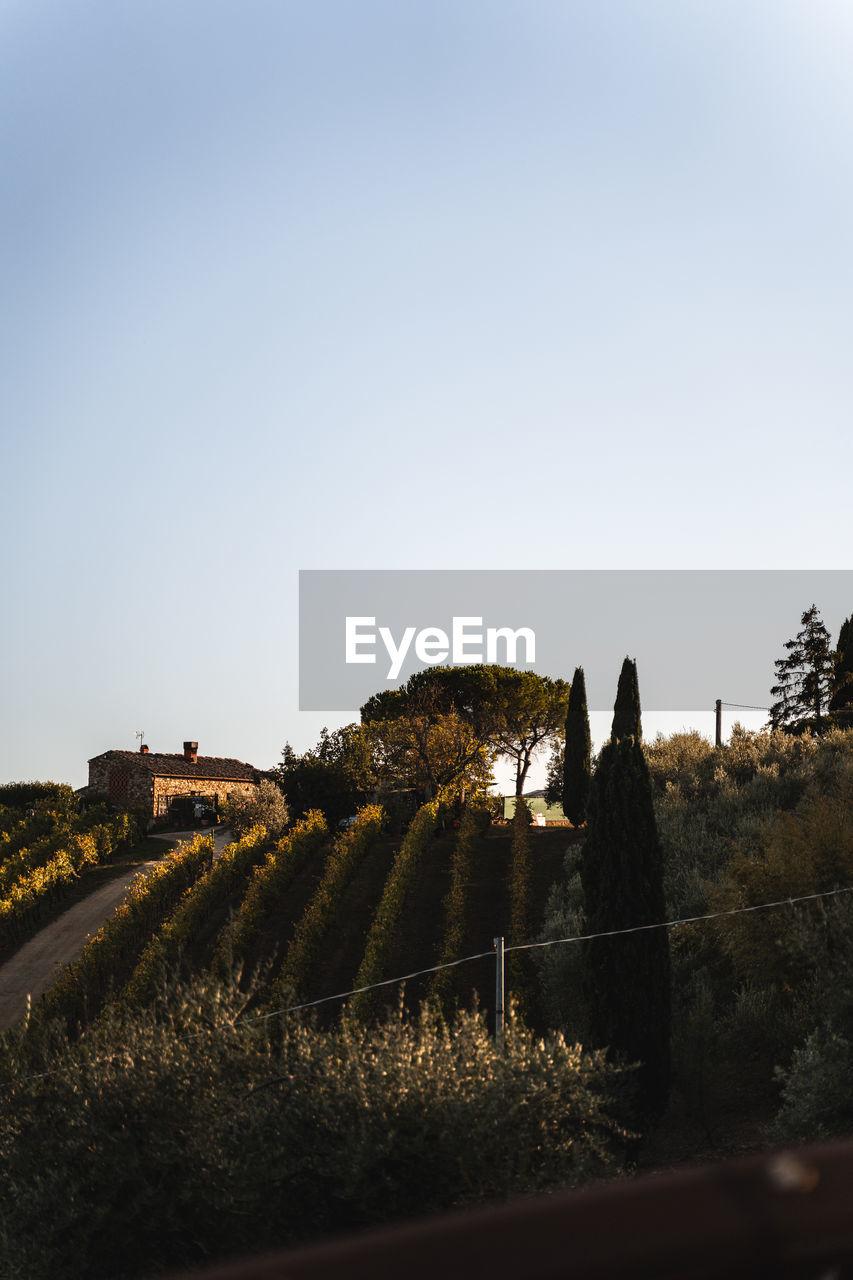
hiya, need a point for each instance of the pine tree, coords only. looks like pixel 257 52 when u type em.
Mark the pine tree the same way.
pixel 627 977
pixel 626 709
pixel 804 678
pixel 841 702
pixel 577 753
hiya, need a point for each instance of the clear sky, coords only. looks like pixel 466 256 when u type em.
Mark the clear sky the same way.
pixel 482 284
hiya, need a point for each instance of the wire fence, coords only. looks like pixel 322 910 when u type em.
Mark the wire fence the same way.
pixel 481 955
pixel 556 942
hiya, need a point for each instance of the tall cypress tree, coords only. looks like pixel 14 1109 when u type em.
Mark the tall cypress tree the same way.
pixel 627 977
pixel 626 710
pixel 577 754
pixel 841 702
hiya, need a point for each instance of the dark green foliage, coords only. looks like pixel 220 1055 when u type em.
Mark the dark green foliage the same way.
pixel 577 753
pixel 467 690
pixel 521 975
pixel 627 978
pixel 520 874
pixel 336 776
pixel 186 1134
pixel 554 776
pixel 804 679
pixel 816 1099
pixel 271 883
pixel 323 913
pixel 626 709
pixel 841 702
pixel 386 920
pixel 226 881
pixel 446 983
pixel 514 713
pixel 22 795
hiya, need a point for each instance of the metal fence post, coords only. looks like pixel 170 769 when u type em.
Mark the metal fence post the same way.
pixel 499 992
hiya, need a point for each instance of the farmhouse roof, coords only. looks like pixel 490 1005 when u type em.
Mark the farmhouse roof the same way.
pixel 177 766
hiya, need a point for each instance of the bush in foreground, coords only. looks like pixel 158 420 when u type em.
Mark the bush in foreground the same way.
pixel 185 1134
pixel 266 807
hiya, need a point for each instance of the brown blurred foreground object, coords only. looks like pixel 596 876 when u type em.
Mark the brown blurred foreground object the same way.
pixel 783 1214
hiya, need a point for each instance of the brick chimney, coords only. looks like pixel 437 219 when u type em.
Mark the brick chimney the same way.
pixel 143 750
pixel 191 752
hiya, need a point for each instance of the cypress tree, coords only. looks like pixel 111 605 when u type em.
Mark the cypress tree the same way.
pixel 626 709
pixel 627 977
pixel 576 758
pixel 841 702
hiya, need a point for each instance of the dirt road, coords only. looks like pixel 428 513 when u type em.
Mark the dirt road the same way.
pixel 36 966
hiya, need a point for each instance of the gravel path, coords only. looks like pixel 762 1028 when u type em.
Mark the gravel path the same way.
pixel 34 968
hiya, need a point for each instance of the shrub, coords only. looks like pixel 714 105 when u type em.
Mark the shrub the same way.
pixel 23 795
pixel 807 851
pixel 560 967
pixel 816 1098
pixel 182 1135
pixel 683 760
pixel 266 808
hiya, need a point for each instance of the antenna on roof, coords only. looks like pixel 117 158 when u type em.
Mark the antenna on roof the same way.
pixel 141 736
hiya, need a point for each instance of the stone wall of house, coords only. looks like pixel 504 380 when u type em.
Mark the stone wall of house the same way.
pixel 126 783
pixel 222 789
pixel 122 782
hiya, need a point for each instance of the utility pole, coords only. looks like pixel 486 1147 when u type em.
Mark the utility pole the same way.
pixel 499 992
pixel 719 709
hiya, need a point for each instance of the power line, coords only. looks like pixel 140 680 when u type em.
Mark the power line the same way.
pixel 482 955
pixel 374 986
pixel 743 706
pixel 670 924
pixel 553 942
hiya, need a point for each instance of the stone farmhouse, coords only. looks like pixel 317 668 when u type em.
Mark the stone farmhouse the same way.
pixel 153 780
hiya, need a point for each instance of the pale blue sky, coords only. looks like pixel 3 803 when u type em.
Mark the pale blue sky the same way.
pixel 427 285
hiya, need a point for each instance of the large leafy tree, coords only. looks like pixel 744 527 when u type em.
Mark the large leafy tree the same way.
pixel 531 712
pixel 511 713
pixel 430 753
pixel 336 776
pixel 804 679
pixel 627 974
pixel 577 753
